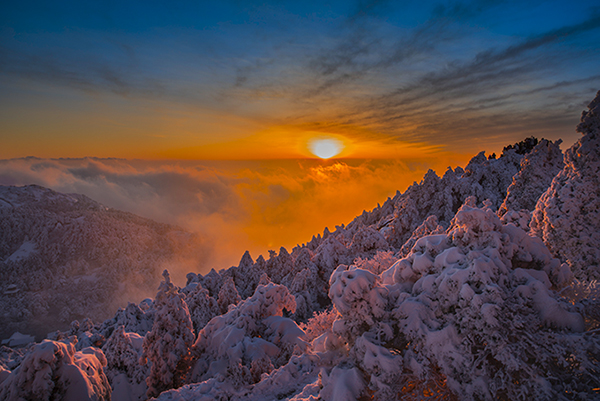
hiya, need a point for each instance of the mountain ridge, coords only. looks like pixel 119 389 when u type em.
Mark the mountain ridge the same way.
pixel 441 292
pixel 52 243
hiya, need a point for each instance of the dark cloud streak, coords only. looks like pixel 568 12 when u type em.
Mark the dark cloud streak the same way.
pixel 117 71
pixel 356 69
pixel 364 49
pixel 435 94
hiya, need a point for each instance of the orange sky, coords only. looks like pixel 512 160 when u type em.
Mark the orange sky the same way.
pixel 105 126
pixel 243 81
pixel 289 202
pixel 146 129
pixel 211 107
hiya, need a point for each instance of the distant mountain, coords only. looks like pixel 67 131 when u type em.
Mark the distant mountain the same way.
pixel 477 285
pixel 65 257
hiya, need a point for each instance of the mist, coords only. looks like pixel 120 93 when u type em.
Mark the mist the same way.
pixel 232 206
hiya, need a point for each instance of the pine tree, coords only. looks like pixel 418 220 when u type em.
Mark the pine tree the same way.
pixel 202 307
pixel 122 357
pixel 567 215
pixel 228 295
pixel 167 346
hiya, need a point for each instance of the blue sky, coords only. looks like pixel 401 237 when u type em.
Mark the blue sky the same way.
pixel 142 77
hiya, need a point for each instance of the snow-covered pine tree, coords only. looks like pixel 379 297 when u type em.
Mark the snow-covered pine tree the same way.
pixel 122 363
pixel 167 345
pixel 473 312
pixel 121 355
pixel 228 295
pixel 53 370
pixel 250 339
pixel 538 168
pixel 567 215
pixel 202 307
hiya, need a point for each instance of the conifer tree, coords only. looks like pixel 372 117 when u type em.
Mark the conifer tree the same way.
pixel 168 344
pixel 228 295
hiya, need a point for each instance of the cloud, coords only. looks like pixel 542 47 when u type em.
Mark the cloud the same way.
pixel 450 80
pixel 193 198
pixel 367 43
pixel 368 46
pixel 233 206
pixel 462 95
pixel 37 58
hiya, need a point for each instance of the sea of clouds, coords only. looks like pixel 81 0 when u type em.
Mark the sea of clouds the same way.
pixel 232 205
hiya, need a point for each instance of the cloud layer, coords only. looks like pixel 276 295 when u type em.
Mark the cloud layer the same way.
pixel 234 206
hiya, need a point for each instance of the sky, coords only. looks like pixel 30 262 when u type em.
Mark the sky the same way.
pixel 206 114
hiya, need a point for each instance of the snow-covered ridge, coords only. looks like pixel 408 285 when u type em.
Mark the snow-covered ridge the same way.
pixel 66 257
pixel 14 197
pixel 442 292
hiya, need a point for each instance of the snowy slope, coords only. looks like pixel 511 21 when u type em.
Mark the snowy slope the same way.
pixel 435 296
pixel 442 292
pixel 65 257
pixel 391 230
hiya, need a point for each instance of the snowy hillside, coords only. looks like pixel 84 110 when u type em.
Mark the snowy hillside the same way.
pixel 65 257
pixel 443 292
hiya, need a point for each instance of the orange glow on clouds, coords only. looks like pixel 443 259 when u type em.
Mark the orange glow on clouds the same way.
pixel 290 201
pixel 255 205
pixel 107 126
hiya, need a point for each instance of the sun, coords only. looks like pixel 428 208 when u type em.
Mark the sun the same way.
pixel 325 148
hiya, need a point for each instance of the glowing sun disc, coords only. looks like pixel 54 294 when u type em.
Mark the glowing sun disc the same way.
pixel 325 148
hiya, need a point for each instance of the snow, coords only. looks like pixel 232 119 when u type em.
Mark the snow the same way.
pixel 451 289
pixel 567 215
pixel 253 331
pixel 202 306
pixel 341 384
pixel 4 374
pixel 538 168
pixel 549 309
pixel 15 197
pixel 127 377
pixel 67 258
pixel 18 340
pixel 24 251
pixel 167 345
